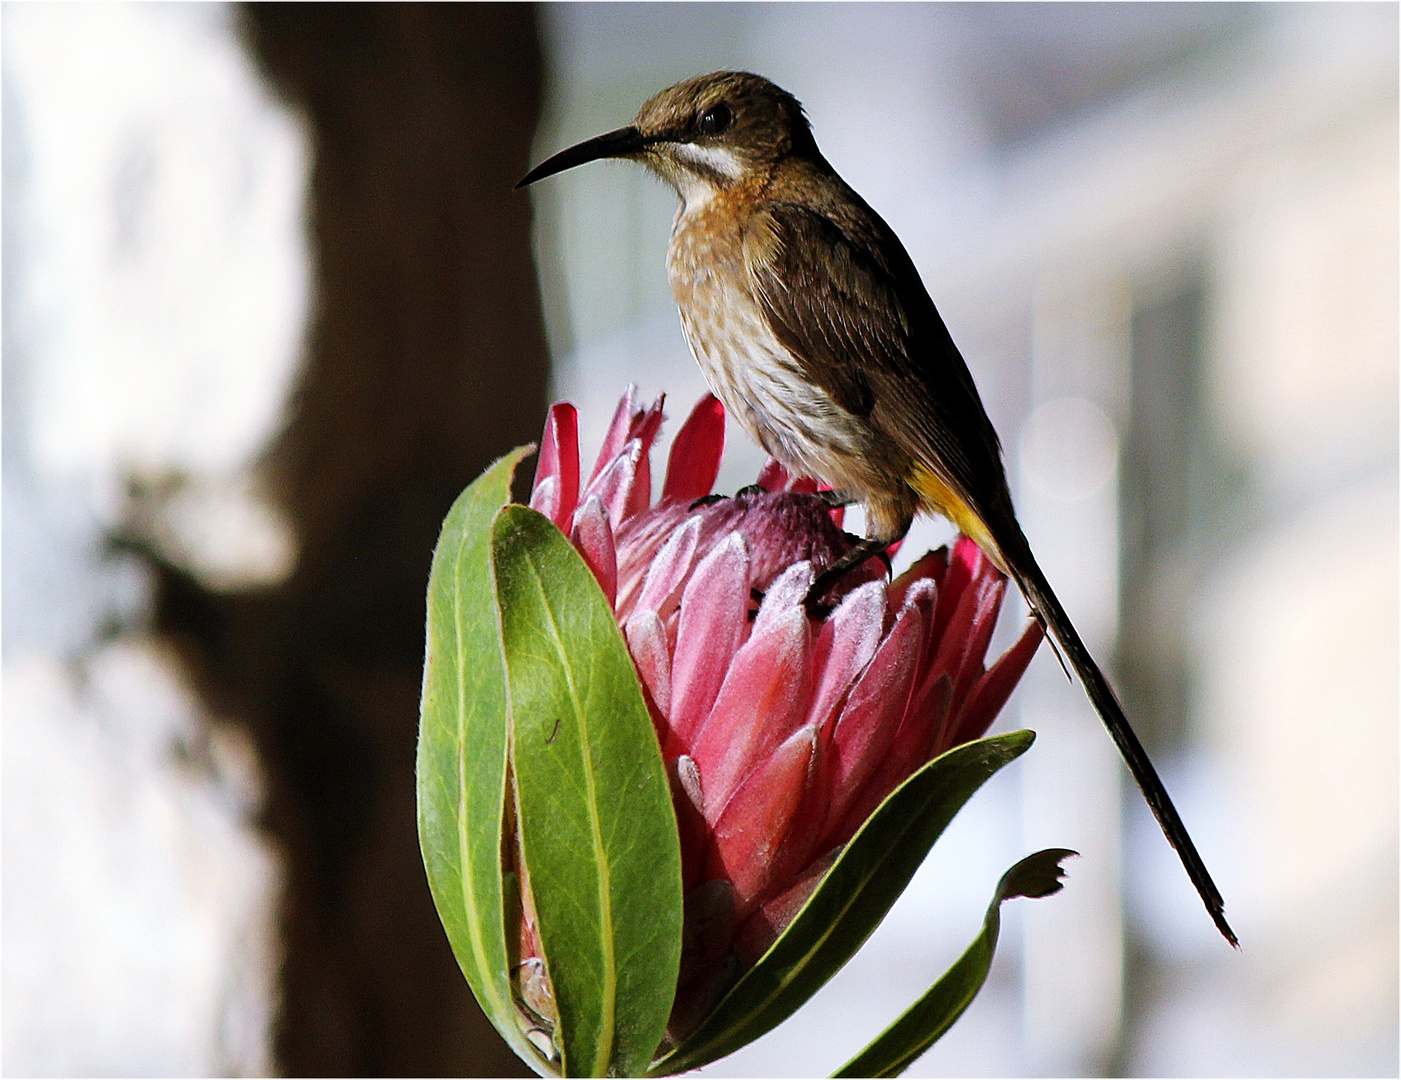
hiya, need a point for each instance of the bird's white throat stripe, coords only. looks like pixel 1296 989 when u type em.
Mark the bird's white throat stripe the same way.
pixel 716 158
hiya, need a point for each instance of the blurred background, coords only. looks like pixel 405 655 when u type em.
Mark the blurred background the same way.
pixel 270 303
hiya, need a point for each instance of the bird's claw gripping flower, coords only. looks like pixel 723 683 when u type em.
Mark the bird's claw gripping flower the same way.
pixel 781 733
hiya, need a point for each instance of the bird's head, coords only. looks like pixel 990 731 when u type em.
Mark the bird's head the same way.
pixel 701 135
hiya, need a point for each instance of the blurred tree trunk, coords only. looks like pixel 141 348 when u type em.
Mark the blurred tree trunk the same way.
pixel 426 359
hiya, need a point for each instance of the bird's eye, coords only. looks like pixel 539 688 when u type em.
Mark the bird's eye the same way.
pixel 714 120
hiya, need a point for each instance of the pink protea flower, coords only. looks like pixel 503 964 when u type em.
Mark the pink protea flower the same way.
pixel 781 732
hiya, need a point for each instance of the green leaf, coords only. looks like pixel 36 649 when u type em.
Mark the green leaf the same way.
pixel 850 902
pixel 925 1022
pixel 462 750
pixel 598 832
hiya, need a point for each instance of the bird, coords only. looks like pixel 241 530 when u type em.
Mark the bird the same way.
pixel 813 327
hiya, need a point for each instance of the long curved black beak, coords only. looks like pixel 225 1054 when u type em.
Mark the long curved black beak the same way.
pixel 618 143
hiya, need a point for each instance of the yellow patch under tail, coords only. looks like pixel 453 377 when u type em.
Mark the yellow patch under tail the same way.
pixel 938 497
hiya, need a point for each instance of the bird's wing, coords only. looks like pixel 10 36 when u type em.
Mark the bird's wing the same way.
pixel 842 295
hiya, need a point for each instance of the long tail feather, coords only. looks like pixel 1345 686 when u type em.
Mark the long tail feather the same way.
pixel 1048 608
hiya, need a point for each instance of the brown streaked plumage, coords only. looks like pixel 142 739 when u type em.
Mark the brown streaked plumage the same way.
pixel 812 325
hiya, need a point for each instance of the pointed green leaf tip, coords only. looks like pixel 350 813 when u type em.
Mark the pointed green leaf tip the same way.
pixel 598 831
pixel 846 907
pixel 925 1022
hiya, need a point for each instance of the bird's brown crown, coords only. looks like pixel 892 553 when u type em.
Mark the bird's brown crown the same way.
pixel 733 108
pixel 736 122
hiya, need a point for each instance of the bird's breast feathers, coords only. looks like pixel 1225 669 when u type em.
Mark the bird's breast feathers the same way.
pixel 762 385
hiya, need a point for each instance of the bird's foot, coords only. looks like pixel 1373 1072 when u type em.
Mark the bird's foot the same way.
pixel 863 550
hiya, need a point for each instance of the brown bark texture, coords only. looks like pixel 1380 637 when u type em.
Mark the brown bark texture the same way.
pixel 425 360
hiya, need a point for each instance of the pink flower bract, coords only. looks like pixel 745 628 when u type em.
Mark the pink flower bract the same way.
pixel 781 733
